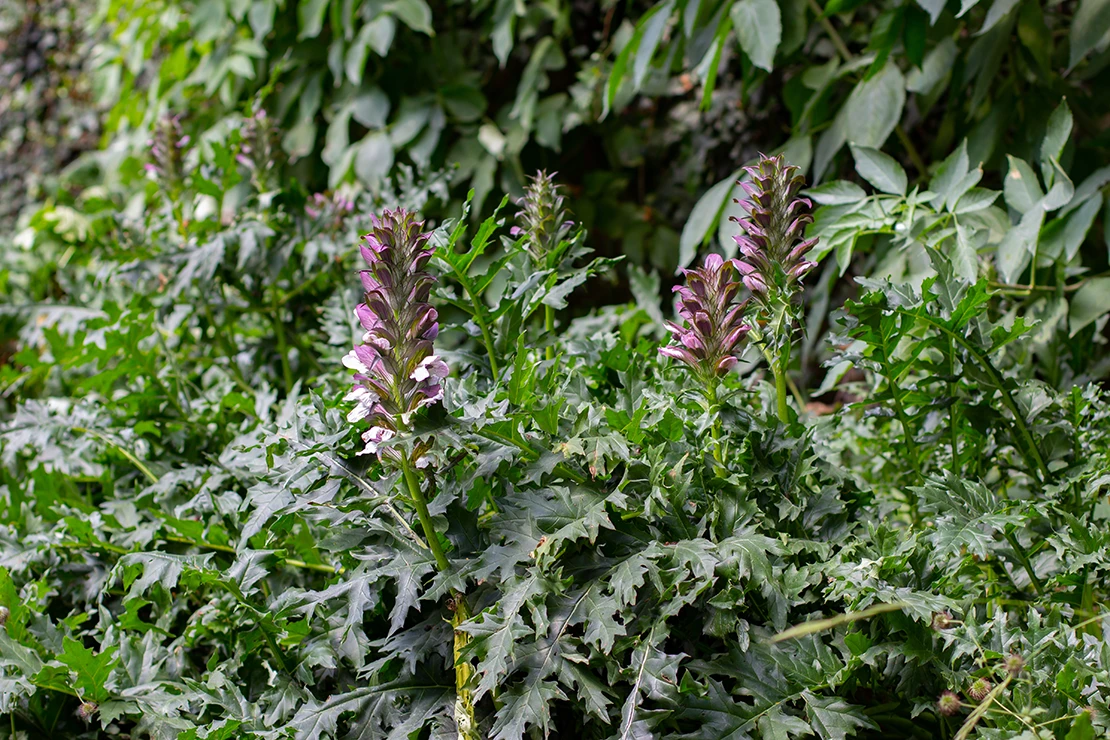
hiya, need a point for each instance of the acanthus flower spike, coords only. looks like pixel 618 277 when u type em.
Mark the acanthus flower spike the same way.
pixel 543 219
pixel 713 320
pixel 396 370
pixel 772 248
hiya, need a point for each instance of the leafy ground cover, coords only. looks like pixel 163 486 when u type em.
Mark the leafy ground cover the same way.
pixel 436 451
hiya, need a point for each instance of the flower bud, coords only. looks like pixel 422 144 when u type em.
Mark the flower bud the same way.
pixel 542 219
pixel 1014 664
pixel 86 711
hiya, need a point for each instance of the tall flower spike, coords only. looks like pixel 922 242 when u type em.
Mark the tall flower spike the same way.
pixel 542 219
pixel 396 371
pixel 167 152
pixel 772 249
pixel 260 150
pixel 713 320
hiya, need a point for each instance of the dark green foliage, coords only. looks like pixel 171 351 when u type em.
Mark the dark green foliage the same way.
pixel 908 507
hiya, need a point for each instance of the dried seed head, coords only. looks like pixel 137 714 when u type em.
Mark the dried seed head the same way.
pixel 942 620
pixel 86 711
pixel 1014 664
pixel 949 703
pixel 979 689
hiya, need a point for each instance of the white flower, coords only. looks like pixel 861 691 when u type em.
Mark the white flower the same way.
pixel 374 437
pixel 366 400
pixel 430 367
pixel 351 361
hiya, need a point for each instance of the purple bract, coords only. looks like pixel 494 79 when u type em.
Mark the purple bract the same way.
pixel 772 251
pixel 397 372
pixel 713 320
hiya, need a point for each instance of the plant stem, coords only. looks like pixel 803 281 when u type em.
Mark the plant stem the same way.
pixel 421 505
pixel 780 393
pixel 549 327
pixel 464 700
pixel 283 349
pixel 715 412
pixel 837 42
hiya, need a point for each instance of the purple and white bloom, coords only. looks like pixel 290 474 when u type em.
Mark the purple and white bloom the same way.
pixel 772 249
pixel 713 324
pixel 396 369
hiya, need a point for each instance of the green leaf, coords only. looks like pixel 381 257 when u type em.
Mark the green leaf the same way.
pixel 875 107
pixel 649 42
pixel 1021 187
pixel 1090 24
pixel 1057 133
pixel 999 9
pixel 758 25
pixel 1081 728
pixel 880 170
pixel 310 17
pixel 413 13
pixel 836 193
pixel 702 218
pixel 374 158
pixel 92 669
pixel 1091 302
pixel 833 718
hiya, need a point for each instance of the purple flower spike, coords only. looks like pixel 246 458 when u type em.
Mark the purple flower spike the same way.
pixel 167 153
pixel 397 371
pixel 713 326
pixel 772 246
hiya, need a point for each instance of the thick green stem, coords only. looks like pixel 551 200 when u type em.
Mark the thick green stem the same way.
pixel 464 699
pixel 283 349
pixel 549 327
pixel 780 393
pixel 421 505
pixel 715 412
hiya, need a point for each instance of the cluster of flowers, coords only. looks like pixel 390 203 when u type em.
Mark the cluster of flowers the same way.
pixel 397 372
pixel 334 207
pixel 714 320
pixel 772 265
pixel 259 151
pixel 167 150
pixel 773 253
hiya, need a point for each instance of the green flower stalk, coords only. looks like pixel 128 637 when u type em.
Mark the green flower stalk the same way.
pixel 773 259
pixel 397 374
pixel 543 223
